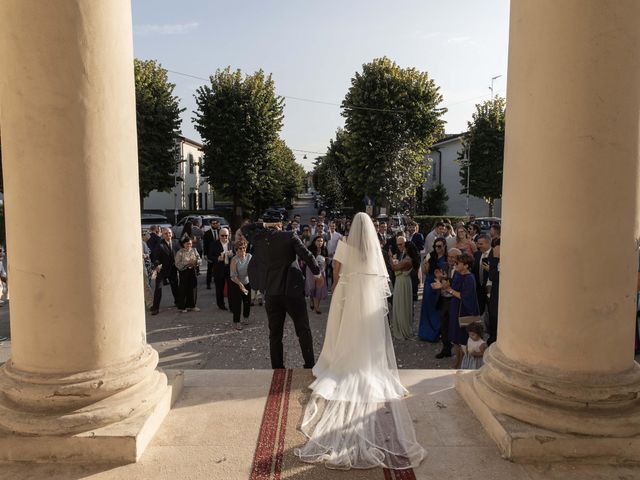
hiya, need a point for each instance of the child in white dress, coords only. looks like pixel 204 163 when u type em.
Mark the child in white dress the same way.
pixel 476 345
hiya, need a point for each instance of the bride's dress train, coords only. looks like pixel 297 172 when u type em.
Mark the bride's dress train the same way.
pixel 356 416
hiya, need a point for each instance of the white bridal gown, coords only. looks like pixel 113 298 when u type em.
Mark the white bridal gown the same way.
pixel 356 416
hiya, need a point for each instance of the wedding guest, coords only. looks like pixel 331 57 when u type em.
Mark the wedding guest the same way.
pixel 402 312
pixel 463 242
pixel 414 236
pixel 474 231
pixel 316 288
pixel 220 253
pixel 475 347
pixel 163 258
pixel 210 236
pixel 444 301
pixel 482 259
pixel 187 261
pixel 493 292
pixel 239 287
pixel 154 238
pixel 494 232
pixel 186 230
pixel 332 244
pixel 147 270
pixel 197 235
pixel 430 321
pixel 464 302
pixel 306 236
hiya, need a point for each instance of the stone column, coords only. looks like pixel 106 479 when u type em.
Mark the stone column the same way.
pixel 564 357
pixel 67 109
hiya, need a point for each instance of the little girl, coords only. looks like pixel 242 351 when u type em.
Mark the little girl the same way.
pixel 475 348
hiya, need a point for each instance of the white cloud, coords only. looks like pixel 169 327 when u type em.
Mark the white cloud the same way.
pixel 175 29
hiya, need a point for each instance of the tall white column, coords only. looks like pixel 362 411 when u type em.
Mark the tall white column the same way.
pixel 564 357
pixel 67 109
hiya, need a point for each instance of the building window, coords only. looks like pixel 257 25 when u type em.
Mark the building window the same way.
pixel 190 157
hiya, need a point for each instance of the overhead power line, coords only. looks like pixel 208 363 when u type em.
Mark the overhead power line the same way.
pixel 333 104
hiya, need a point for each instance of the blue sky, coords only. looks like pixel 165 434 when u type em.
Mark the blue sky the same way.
pixel 313 49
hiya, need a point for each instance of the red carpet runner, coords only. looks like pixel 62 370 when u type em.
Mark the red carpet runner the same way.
pixel 270 449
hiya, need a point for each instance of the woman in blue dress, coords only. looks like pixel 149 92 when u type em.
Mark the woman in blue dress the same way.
pixel 429 329
pixel 464 302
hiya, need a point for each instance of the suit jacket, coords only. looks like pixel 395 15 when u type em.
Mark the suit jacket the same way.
pixel 208 238
pixel 215 250
pixel 154 239
pixel 476 270
pixel 418 240
pixel 165 256
pixel 273 267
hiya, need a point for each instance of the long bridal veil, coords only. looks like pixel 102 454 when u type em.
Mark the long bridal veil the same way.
pixel 356 416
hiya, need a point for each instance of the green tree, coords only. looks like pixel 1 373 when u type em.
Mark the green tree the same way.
pixel 390 131
pixel 484 145
pixel 329 173
pixel 284 180
pixel 158 122
pixel 239 119
pixel 435 200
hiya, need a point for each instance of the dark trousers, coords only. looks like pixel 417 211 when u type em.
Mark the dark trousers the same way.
pixel 239 302
pixel 414 284
pixel 221 274
pixel 188 288
pixel 328 273
pixel 157 293
pixel 443 310
pixel 277 307
pixel 209 274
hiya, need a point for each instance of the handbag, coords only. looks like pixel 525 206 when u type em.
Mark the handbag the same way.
pixel 467 319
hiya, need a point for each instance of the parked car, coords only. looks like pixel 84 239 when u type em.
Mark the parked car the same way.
pixel 205 219
pixel 282 210
pixel 395 223
pixel 272 215
pixel 148 219
pixel 485 223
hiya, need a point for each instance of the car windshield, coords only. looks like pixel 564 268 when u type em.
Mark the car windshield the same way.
pixel 154 220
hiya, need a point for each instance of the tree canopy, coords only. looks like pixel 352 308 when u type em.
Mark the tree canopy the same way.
pixel 484 144
pixel 239 119
pixel 329 173
pixel 158 122
pixel 391 119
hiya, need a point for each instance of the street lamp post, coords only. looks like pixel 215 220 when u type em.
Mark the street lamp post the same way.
pixel 491 87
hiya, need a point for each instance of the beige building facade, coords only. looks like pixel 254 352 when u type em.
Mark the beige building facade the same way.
pixel 191 190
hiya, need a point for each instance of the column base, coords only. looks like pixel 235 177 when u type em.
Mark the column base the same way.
pixel 118 443
pixel 525 443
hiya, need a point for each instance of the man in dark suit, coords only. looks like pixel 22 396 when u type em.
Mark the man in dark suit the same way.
pixel 154 238
pixel 208 238
pixel 219 255
pixel 480 270
pixel 274 269
pixel 163 257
